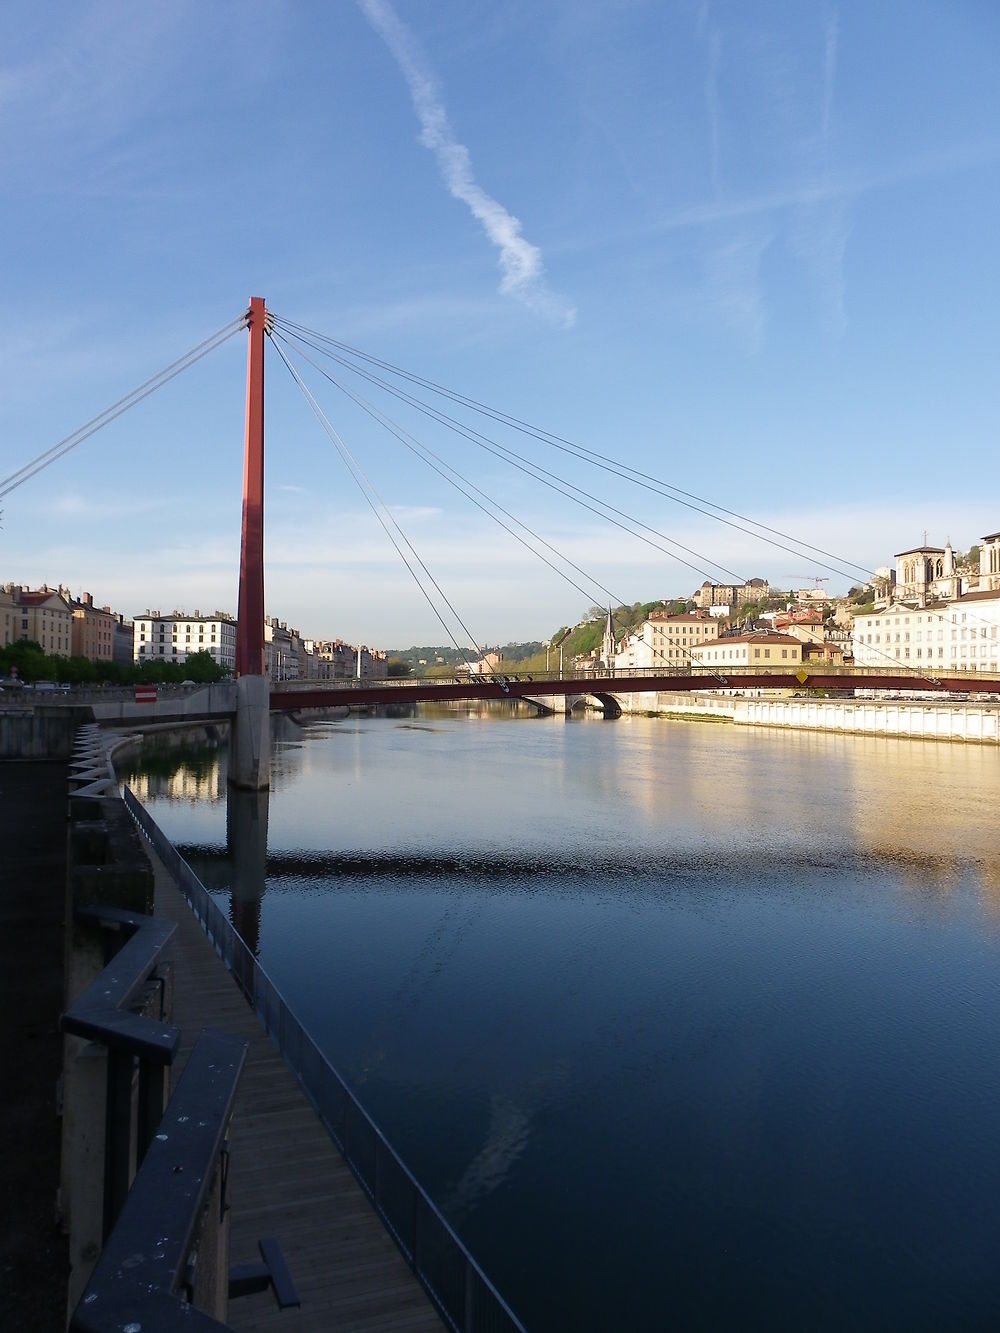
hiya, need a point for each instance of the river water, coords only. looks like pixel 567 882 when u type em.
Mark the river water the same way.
pixel 681 1024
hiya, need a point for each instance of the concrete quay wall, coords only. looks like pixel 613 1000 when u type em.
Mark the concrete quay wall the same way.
pixel 39 727
pixel 974 723
pixel 919 720
pixel 39 733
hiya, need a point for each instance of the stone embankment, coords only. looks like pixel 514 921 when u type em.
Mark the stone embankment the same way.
pixel 34 1254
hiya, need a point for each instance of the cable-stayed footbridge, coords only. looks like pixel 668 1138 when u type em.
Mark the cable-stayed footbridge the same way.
pixel 339 367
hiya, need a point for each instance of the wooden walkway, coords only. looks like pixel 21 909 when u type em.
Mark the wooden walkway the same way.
pixel 287 1178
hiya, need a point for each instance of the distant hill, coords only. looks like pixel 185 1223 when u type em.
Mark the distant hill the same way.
pixel 424 660
pixel 583 637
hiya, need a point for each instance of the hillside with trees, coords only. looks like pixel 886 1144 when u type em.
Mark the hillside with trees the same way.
pixel 583 637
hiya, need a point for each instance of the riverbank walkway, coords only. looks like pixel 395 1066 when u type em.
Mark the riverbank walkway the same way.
pixel 288 1180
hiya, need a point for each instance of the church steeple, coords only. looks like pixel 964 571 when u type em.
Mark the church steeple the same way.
pixel 608 642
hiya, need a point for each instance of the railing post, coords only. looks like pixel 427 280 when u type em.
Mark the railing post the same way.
pixel 120 1136
pixel 154 1093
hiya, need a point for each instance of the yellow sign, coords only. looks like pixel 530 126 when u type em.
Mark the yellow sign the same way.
pixel 802 676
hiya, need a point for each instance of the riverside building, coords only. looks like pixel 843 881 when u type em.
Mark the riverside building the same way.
pixel 665 641
pixel 174 638
pixel 936 621
pixel 46 617
pixel 93 630
pixel 756 650
pixel 959 635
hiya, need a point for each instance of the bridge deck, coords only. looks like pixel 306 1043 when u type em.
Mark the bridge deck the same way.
pixel 288 1180
pixel 295 695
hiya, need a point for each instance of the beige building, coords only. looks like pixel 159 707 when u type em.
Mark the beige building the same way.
pixel 281 661
pixel 336 660
pixel 926 574
pixel 664 641
pixel 93 630
pixel 46 617
pixel 989 563
pixel 10 617
pixel 761 649
pixel 732 595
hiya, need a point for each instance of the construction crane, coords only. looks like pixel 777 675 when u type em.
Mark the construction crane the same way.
pixel 814 579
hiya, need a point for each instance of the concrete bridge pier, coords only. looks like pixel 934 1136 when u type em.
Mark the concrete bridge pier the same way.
pixel 250 749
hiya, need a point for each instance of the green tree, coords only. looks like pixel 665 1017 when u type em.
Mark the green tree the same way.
pixel 202 667
pixel 25 659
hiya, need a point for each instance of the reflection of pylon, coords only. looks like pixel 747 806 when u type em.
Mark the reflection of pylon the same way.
pixel 250 616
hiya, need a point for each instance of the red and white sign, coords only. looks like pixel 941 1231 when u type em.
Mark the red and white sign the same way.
pixel 145 694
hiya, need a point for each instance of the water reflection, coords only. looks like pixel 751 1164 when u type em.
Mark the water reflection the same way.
pixel 246 849
pixel 692 990
pixel 654 792
pixel 189 771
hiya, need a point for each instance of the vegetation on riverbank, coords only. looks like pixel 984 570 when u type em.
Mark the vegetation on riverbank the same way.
pixel 25 661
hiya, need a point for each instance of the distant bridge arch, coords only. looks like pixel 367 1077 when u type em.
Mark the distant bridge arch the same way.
pixel 567 702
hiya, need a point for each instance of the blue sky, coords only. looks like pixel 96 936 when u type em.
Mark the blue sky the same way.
pixel 749 249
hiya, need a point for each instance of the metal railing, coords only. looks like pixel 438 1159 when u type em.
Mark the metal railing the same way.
pixel 139 1048
pixel 683 670
pixel 463 1295
pixel 164 1266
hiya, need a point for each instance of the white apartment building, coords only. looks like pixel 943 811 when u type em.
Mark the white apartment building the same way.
pixel 947 636
pixel 934 621
pixel 176 637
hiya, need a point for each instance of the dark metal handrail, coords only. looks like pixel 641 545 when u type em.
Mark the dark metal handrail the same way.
pixel 139 1048
pixel 140 1280
pixel 463 1295
pixel 100 1013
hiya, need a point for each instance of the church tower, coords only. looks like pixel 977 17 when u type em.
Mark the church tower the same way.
pixel 608 642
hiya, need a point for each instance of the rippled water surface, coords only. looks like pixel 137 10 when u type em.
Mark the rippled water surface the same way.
pixel 681 1024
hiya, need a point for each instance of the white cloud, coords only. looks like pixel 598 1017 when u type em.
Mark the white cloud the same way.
pixel 520 261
